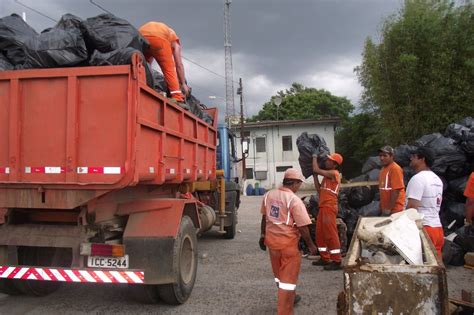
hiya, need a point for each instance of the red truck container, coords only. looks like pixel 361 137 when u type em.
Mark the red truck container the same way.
pixel 91 160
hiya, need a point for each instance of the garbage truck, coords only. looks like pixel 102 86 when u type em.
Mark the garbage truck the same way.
pixel 91 164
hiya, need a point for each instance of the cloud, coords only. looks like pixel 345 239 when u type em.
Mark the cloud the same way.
pixel 338 78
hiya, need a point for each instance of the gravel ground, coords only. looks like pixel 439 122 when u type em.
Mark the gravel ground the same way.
pixel 234 277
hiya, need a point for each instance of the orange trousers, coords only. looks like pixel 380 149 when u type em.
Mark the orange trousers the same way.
pixel 436 235
pixel 286 265
pixel 327 238
pixel 161 50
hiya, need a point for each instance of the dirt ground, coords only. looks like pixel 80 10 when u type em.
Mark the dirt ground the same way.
pixel 234 277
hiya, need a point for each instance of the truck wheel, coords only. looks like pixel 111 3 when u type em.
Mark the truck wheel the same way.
pixel 184 265
pixel 33 256
pixel 7 286
pixel 230 206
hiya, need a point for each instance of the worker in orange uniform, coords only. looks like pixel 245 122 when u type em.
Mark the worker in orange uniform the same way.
pixel 391 186
pixel 284 221
pixel 327 237
pixel 165 47
pixel 469 194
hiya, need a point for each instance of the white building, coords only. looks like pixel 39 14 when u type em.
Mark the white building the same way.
pixel 272 148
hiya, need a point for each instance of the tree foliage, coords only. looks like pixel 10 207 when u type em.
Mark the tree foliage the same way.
pixel 420 77
pixel 300 102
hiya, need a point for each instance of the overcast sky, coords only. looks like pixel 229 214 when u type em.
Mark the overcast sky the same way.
pixel 274 42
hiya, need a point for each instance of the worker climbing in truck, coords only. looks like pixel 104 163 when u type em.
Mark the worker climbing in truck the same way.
pixel 165 48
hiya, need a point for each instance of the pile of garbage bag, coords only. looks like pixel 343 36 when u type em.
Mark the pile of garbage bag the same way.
pixel 97 41
pixel 454 162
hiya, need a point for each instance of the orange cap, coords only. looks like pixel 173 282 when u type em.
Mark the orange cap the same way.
pixel 336 157
pixel 293 173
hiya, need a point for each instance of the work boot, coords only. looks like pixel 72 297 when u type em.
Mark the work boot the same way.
pixel 321 262
pixel 333 266
pixel 297 299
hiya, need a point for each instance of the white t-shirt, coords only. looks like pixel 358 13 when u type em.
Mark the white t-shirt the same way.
pixel 427 188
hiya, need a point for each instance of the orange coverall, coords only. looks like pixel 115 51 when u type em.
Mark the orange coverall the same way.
pixel 160 36
pixel 391 177
pixel 327 238
pixel 284 212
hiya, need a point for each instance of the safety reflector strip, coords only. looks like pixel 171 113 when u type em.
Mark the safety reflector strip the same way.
pixel 72 275
pixel 187 171
pixel 335 251
pixel 152 169
pixel 44 169
pixel 200 171
pixel 100 170
pixel 287 286
pixel 4 170
pixel 210 171
pixel 170 171
pixel 322 249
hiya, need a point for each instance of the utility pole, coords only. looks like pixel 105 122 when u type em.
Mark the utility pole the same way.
pixel 229 81
pixel 240 91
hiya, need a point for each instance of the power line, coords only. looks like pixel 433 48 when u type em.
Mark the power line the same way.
pixel 211 71
pixel 100 7
pixel 42 14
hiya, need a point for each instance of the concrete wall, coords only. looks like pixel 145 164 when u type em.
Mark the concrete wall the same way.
pixel 274 156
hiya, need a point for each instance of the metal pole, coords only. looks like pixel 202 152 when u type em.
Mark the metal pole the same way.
pixel 244 174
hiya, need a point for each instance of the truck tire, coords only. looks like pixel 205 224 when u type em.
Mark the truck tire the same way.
pixel 34 256
pixel 184 265
pixel 7 286
pixel 230 230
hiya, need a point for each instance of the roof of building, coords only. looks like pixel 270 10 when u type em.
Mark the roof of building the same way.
pixel 271 123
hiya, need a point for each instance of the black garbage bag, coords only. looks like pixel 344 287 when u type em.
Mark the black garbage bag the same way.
pixel 458 170
pixel 313 205
pixel 447 154
pixel 54 48
pixel 14 33
pixel 120 57
pixel 403 154
pixel 360 196
pixel 351 221
pixel 456 188
pixel 427 139
pixel 452 215
pixel 467 143
pixel 370 210
pixel 5 63
pixel 407 174
pixel 373 175
pixel 453 254
pixel 107 33
pixel 465 238
pixel 71 23
pixel 372 162
pixel 467 122
pixel 309 146
pixel 456 132
pixel 159 83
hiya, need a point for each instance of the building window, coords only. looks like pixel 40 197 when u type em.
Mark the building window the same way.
pixel 249 173
pixel 282 168
pixel 260 175
pixel 260 143
pixel 287 144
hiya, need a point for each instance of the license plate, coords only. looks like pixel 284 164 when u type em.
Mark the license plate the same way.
pixel 107 262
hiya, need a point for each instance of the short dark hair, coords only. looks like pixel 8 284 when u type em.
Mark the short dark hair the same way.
pixel 426 153
pixel 290 181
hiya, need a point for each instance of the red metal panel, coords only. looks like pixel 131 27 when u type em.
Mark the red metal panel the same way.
pixel 4 129
pixel 103 122
pixel 43 129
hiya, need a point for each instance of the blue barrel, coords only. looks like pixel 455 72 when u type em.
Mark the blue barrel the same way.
pixel 261 191
pixel 249 190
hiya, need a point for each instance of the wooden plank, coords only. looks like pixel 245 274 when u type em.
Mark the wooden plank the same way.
pixel 359 184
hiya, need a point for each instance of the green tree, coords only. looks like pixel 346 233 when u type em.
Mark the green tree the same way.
pixel 419 78
pixel 299 102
